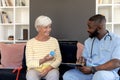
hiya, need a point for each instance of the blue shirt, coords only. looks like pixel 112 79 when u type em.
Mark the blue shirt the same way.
pixel 102 50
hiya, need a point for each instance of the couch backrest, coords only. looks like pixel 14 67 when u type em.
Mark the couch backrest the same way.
pixel 68 51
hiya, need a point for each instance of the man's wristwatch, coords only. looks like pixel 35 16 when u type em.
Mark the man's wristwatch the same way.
pixel 93 69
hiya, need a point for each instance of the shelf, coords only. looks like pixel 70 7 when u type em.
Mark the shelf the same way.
pixel 116 12
pixel 6 24
pixel 7 41
pixel 21 32
pixel 104 1
pixel 106 11
pixel 109 27
pixel 6 7
pixel 14 21
pixel 22 3
pixel 20 41
pixel 116 1
pixel 24 14
pixel 22 24
pixel 104 5
pixel 6 15
pixel 6 31
pixel 111 10
pixel 21 7
pixel 117 28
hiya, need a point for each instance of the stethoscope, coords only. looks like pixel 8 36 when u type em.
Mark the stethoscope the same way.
pixel 108 35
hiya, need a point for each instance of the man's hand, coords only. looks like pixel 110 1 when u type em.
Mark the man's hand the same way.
pixel 85 69
pixel 81 61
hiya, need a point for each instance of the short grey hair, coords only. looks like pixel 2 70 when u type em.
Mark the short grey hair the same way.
pixel 42 21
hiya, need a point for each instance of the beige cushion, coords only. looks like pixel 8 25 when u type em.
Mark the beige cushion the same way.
pixel 11 55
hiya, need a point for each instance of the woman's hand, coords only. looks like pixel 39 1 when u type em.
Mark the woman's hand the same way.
pixel 46 58
pixel 45 71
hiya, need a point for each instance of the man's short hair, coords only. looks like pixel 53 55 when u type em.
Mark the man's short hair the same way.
pixel 98 18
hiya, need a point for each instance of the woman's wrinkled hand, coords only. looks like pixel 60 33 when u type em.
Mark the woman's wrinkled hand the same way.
pixel 45 71
pixel 46 58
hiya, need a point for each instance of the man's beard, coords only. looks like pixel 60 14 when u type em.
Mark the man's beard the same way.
pixel 94 34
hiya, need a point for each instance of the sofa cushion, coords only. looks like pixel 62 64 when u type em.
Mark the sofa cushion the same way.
pixel 11 55
pixel 80 47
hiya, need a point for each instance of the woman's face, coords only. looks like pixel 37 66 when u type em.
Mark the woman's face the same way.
pixel 45 30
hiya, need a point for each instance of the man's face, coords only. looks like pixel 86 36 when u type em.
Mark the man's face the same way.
pixel 93 34
pixel 92 29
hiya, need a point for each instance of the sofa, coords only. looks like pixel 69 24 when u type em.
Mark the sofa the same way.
pixel 13 58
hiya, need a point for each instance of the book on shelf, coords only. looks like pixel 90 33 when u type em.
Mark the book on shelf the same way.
pixel 23 3
pixel 10 2
pixel 25 34
pixel 100 1
pixel 3 3
pixel 103 1
pixel 106 1
pixel 20 3
pixel 0 3
pixel 6 3
pixel 17 2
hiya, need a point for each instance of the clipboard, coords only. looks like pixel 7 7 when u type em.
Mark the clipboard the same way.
pixel 72 64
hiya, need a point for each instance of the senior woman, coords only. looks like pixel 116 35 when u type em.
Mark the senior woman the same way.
pixel 43 53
